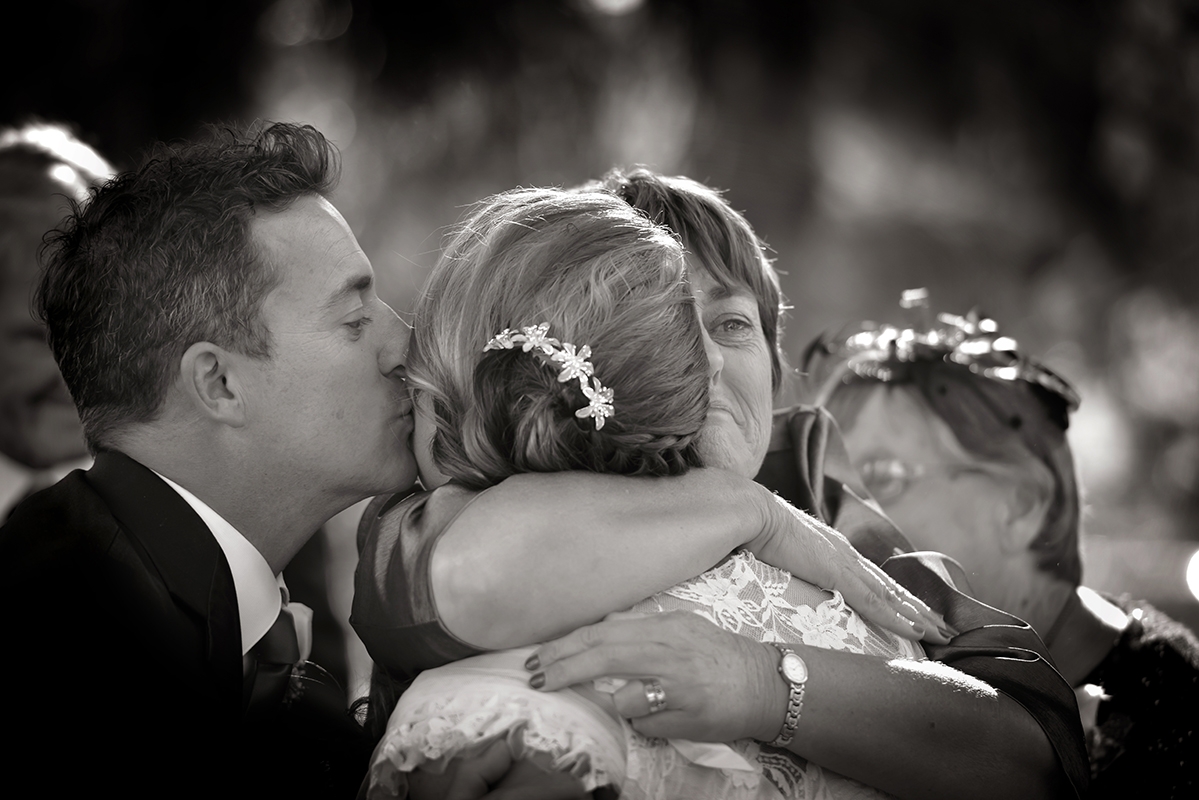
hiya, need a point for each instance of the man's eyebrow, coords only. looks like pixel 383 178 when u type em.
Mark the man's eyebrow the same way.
pixel 354 285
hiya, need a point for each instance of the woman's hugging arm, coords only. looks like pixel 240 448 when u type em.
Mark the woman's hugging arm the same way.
pixel 917 729
pixel 922 729
pixel 585 545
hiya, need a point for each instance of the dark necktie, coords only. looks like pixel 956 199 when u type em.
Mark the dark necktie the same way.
pixel 297 738
pixel 270 666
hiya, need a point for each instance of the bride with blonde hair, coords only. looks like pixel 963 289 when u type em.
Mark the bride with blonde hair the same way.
pixel 559 332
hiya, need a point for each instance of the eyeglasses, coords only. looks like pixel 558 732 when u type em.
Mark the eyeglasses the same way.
pixel 890 478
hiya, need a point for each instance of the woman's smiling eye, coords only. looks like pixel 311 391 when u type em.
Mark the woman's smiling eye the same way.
pixel 732 325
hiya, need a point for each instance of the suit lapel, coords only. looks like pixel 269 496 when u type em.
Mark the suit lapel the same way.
pixel 181 548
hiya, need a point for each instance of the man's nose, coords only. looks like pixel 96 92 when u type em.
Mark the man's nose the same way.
pixel 715 357
pixel 393 349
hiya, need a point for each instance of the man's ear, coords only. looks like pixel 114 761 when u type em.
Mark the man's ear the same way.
pixel 209 380
pixel 1025 504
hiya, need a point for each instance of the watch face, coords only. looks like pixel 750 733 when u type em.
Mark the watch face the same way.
pixel 793 668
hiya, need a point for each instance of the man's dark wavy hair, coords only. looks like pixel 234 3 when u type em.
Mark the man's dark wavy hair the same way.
pixel 161 257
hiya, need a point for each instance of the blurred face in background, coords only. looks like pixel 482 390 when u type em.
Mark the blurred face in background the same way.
pixel 982 513
pixel 736 434
pixel 39 426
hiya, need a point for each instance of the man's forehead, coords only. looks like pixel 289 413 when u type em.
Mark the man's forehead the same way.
pixel 308 222
pixel 313 251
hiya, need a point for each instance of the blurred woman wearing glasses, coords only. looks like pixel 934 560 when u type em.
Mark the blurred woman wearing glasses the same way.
pixel 962 439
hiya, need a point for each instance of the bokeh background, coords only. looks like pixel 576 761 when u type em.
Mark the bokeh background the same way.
pixel 1038 161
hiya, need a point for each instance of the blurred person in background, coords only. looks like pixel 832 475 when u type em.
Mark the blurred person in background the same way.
pixel 42 167
pixel 962 439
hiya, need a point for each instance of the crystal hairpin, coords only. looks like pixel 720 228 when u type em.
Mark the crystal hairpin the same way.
pixel 571 362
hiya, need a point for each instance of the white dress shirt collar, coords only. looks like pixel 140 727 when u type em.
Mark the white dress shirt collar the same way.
pixel 259 598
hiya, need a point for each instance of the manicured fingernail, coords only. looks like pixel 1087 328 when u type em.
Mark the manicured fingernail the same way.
pixel 538 680
pixel 532 662
pixel 947 631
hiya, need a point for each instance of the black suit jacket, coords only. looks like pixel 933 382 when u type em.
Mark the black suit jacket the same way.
pixel 124 666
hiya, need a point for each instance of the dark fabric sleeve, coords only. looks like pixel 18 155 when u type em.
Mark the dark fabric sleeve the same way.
pixel 810 469
pixel 1145 725
pixel 1005 652
pixel 808 466
pixel 394 612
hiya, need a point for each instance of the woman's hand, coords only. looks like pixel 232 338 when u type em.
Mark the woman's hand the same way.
pixel 719 686
pixel 814 552
pixel 910 728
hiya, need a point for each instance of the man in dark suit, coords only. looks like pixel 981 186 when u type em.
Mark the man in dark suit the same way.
pixel 239 383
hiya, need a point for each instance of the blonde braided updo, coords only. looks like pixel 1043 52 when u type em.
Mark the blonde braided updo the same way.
pixel 600 274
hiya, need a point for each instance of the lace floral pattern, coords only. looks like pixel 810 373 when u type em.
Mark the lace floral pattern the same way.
pixel 762 602
pixel 754 599
pixel 459 708
pixel 462 708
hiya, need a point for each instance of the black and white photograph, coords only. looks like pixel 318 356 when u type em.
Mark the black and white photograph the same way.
pixel 607 399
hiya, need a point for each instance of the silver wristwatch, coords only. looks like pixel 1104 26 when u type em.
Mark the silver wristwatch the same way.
pixel 795 673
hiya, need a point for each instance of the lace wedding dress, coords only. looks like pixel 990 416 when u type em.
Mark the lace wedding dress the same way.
pixel 460 708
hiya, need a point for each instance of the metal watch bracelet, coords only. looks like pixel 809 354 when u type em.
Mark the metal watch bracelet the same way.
pixel 795 672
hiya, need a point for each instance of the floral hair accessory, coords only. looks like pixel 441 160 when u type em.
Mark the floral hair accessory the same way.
pixel 884 352
pixel 571 363
pixel 599 405
pixel 531 337
pixel 574 365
